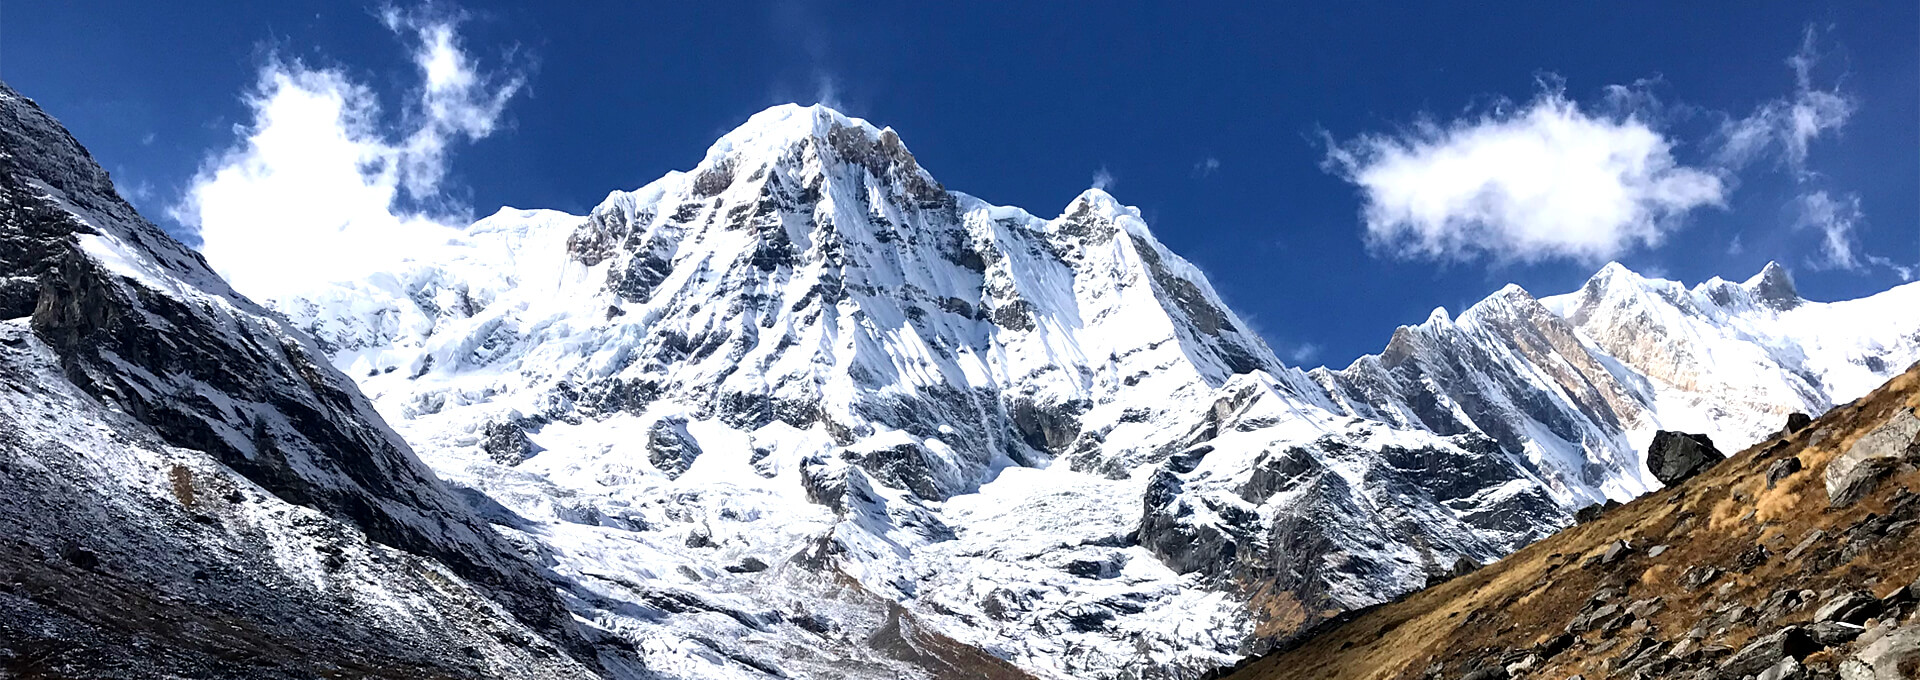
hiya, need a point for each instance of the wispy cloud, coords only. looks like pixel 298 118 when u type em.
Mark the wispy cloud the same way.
pixel 1103 179
pixel 1522 182
pixel 1837 221
pixel 1784 128
pixel 323 185
pixel 1303 353
pixel 1206 167
pixel 826 91
pixel 1781 132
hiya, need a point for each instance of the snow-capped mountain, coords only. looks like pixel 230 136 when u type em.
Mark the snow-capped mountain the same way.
pixel 804 379
pixel 808 387
pixel 801 411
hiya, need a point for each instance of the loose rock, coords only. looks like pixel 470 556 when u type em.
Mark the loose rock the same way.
pixel 1676 456
pixel 1782 469
pixel 1762 654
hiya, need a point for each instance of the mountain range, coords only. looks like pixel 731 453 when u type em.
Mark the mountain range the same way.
pixel 802 411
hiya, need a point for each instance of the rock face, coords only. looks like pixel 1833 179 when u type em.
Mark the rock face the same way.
pixel 189 482
pixel 1675 457
pixel 670 447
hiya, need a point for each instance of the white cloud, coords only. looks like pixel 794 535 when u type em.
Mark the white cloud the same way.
pixel 1784 128
pixel 1206 167
pixel 1103 179
pixel 1530 183
pixel 1835 219
pixel 317 189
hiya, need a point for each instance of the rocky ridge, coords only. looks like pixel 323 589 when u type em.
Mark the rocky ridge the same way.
pixel 191 489
pixel 1738 572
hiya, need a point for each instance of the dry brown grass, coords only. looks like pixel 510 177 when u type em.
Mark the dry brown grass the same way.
pixel 1530 596
pixel 181 480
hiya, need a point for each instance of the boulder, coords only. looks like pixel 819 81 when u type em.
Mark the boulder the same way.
pixel 1782 469
pixel 1768 651
pixel 1834 633
pixel 1797 422
pixel 1854 474
pixel 1788 669
pixel 1677 456
pixel 1852 607
pixel 1494 673
pixel 1619 550
pixel 1895 656
pixel 1698 577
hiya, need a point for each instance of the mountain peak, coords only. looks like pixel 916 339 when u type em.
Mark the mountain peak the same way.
pixel 783 125
pixel 1774 286
pixel 1099 202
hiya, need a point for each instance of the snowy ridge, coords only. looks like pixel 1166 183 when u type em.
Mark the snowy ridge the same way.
pixel 1578 383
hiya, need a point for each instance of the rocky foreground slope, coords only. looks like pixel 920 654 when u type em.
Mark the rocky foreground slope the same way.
pixel 1795 559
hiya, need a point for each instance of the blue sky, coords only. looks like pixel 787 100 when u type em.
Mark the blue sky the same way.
pixel 1306 157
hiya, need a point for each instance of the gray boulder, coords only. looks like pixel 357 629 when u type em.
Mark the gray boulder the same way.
pixel 1766 652
pixel 1782 469
pixel 1677 456
pixel 1788 669
pixel 1895 656
pixel 1854 474
pixel 1853 607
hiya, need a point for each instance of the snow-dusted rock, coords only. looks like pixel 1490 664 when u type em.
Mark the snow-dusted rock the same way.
pixel 190 490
